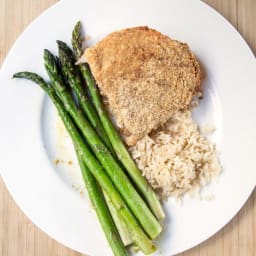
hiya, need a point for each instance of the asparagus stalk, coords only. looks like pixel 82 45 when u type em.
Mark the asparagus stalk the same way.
pixel 72 76
pixel 114 230
pixel 94 167
pixel 104 215
pixel 121 227
pixel 114 171
pixel 113 135
pixel 94 191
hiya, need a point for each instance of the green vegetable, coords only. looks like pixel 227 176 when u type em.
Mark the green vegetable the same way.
pixel 100 206
pixel 94 191
pixel 94 166
pixel 66 62
pixel 123 229
pixel 114 171
pixel 113 135
pixel 72 76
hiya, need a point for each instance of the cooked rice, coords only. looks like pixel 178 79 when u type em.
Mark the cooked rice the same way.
pixel 177 158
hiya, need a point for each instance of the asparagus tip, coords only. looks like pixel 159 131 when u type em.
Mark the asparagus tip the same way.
pixel 48 55
pixel 46 51
pixel 61 44
pixel 77 40
pixel 32 77
pixel 22 74
pixel 77 28
pixel 58 42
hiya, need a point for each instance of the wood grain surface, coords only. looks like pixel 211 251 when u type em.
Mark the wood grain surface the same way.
pixel 19 237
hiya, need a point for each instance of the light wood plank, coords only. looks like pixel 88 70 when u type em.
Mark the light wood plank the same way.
pixel 228 8
pixel 231 238
pixel 246 241
pixel 247 21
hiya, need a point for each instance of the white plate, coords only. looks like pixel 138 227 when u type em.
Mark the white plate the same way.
pixel 29 141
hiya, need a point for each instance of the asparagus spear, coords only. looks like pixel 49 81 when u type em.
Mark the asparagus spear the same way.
pixel 123 229
pixel 94 191
pixel 96 169
pixel 113 135
pixel 72 76
pixel 115 172
pixel 68 57
pixel 104 215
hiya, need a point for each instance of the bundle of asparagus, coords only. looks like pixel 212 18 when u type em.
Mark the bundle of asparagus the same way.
pixel 127 216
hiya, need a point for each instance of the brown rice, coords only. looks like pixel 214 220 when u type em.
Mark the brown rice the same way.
pixel 176 158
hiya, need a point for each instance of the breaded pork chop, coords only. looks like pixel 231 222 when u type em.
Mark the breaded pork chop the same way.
pixel 145 76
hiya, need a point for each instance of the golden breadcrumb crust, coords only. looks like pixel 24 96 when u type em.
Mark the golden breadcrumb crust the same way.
pixel 145 76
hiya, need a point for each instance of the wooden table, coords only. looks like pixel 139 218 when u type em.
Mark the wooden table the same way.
pixel 19 237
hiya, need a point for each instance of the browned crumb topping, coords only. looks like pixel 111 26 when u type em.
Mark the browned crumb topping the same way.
pixel 145 76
